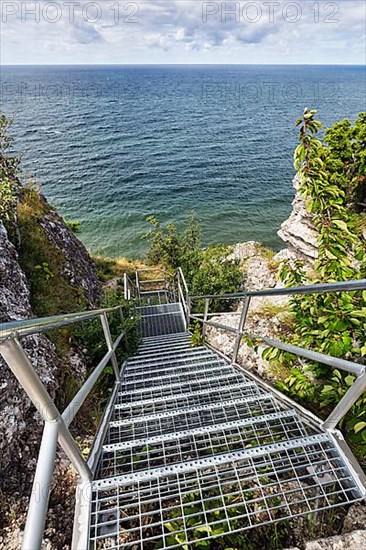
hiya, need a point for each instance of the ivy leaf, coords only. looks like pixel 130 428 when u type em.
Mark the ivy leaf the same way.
pixel 359 426
pixel 341 224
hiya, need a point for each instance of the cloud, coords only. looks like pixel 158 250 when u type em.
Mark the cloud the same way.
pixel 190 31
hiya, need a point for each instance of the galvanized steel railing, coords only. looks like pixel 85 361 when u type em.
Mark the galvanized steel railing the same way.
pixel 56 424
pixel 356 390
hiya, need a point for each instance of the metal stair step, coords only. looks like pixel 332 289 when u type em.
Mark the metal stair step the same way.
pixel 161 370
pixel 221 370
pixel 172 348
pixel 185 360
pixel 234 491
pixel 176 388
pixel 192 444
pixel 169 355
pixel 190 417
pixel 162 324
pixel 164 337
pixel 160 308
pixel 200 397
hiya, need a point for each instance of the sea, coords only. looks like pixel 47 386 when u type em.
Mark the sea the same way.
pixel 111 145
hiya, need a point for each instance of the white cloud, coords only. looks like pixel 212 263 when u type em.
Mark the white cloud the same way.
pixel 176 31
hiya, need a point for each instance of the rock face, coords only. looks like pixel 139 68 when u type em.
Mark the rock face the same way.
pixel 20 423
pixel 298 231
pixel 78 267
pixel 266 316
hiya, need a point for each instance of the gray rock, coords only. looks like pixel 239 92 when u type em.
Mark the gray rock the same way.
pixel 20 425
pixel 350 541
pixel 355 518
pixel 78 267
pixel 298 231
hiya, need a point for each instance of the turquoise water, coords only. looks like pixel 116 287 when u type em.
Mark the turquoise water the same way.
pixel 112 145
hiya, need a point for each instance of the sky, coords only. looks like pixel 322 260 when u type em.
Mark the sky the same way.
pixel 182 31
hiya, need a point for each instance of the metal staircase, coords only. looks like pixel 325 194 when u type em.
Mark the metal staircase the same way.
pixel 196 449
pixel 192 447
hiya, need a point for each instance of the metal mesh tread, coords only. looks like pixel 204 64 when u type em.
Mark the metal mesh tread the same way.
pixel 173 356
pixel 190 418
pixel 224 494
pixel 169 390
pixel 164 337
pixel 212 395
pixel 195 449
pixel 216 373
pixel 162 319
pixel 185 345
pixel 148 373
pixel 200 442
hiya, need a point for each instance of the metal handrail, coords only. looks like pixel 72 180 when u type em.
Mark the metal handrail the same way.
pixel 43 324
pixel 359 370
pixel 55 423
pixel 322 288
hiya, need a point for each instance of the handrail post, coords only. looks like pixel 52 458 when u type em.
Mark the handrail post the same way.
pixel 20 365
pixel 108 339
pixel 125 285
pixel 138 286
pixel 205 315
pixel 348 400
pixel 189 307
pixel 38 503
pixel 239 336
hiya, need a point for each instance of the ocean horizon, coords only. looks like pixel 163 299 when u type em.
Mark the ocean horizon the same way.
pixel 111 144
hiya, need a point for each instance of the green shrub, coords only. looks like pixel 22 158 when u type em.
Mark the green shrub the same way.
pixel 332 183
pixel 207 271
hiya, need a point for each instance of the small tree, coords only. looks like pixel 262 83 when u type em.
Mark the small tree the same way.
pixel 9 183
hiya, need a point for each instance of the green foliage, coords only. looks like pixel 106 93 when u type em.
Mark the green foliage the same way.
pixel 9 169
pixel 207 271
pixel 89 334
pixel 271 537
pixel 44 269
pixel 172 248
pixel 332 182
pixel 196 338
pixel 74 226
pixel 42 261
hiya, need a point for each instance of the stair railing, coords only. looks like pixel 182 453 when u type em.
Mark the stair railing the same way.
pixel 130 289
pixel 56 424
pixel 358 369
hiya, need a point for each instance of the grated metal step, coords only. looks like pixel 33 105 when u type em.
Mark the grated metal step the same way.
pixel 162 319
pixel 216 372
pixel 165 356
pixel 179 346
pixel 206 396
pixel 177 388
pixel 173 448
pixel 224 493
pixel 182 366
pixel 195 450
pixel 190 417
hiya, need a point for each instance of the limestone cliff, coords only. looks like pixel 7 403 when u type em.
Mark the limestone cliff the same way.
pixel 20 424
pixel 298 231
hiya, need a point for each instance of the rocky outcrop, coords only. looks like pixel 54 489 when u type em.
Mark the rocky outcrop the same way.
pixel 298 231
pixel 78 267
pixel 20 423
